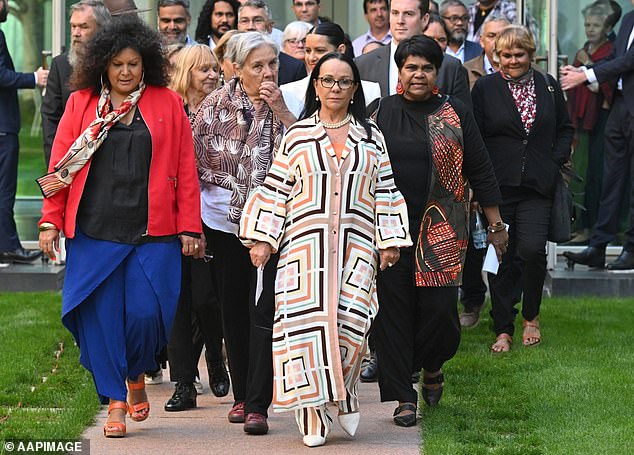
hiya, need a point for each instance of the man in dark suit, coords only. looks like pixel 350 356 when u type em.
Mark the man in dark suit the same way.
pixel 456 17
pixel 619 148
pixel 254 15
pixel 10 81
pixel 87 16
pixel 409 18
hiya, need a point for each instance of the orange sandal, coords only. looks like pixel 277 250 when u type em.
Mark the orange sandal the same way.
pixel 139 411
pixel 115 429
pixel 502 343
pixel 531 332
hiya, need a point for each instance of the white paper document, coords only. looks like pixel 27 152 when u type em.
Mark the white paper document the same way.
pixel 259 285
pixel 491 263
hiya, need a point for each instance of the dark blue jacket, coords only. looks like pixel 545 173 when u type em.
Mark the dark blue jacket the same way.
pixel 471 50
pixel 10 82
pixel 620 63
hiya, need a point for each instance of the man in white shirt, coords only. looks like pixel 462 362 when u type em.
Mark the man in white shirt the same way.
pixel 409 18
pixel 376 14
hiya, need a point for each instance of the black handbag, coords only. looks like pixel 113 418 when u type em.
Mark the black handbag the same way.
pixel 562 211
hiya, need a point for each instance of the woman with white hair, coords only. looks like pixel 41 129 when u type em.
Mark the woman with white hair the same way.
pixel 237 132
pixel 294 39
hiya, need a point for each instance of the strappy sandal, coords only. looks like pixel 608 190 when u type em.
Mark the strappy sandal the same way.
pixel 139 411
pixel 432 395
pixel 115 429
pixel 504 342
pixel 407 420
pixel 531 331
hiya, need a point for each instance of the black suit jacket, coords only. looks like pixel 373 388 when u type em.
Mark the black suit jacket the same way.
pixel 291 69
pixel 620 63
pixel 530 160
pixel 54 101
pixel 452 78
pixel 10 82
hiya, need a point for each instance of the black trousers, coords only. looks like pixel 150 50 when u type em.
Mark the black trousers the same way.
pixel 416 328
pixel 197 317
pixel 9 147
pixel 473 287
pixel 528 215
pixel 618 169
pixel 247 325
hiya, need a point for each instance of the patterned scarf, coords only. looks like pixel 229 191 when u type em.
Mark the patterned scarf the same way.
pixel 234 143
pixel 88 141
pixel 523 91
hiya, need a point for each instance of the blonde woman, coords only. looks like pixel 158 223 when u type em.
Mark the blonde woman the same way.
pixel 196 75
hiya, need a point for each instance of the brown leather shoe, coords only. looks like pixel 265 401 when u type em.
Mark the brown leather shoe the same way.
pixel 255 423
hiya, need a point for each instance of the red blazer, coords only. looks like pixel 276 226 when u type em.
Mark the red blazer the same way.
pixel 173 189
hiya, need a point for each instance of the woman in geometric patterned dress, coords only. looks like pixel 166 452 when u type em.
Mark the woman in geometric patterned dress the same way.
pixel 330 207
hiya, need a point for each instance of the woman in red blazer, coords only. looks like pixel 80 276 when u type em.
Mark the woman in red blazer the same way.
pixel 123 187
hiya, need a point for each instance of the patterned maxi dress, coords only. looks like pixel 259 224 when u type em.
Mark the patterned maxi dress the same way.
pixel 328 219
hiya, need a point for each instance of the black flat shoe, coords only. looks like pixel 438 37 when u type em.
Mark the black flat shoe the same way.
pixel 625 261
pixel 592 257
pixel 218 379
pixel 407 420
pixel 20 256
pixel 184 397
pixel 371 371
pixel 415 377
pixel 432 395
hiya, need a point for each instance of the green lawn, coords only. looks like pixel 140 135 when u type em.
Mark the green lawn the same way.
pixel 573 394
pixel 38 400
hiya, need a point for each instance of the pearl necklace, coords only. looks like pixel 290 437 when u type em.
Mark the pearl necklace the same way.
pixel 333 126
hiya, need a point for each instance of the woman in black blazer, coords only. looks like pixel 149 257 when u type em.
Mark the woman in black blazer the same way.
pixel 523 120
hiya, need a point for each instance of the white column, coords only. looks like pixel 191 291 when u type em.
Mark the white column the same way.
pixel 59 26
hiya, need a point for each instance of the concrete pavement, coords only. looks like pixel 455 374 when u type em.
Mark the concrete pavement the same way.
pixel 206 430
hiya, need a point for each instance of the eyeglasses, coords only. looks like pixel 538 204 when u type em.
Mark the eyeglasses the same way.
pixel 255 21
pixel 455 19
pixel 296 42
pixel 329 82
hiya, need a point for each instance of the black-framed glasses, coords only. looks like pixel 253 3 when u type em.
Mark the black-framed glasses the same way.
pixel 329 82
pixel 455 19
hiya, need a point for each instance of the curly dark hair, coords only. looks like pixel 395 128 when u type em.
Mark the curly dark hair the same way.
pixel 203 26
pixel 127 31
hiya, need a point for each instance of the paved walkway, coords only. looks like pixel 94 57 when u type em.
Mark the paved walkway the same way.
pixel 206 430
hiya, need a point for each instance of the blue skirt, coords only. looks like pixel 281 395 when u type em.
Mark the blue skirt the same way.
pixel 119 302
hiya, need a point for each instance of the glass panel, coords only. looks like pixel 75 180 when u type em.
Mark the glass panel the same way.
pixel 588 151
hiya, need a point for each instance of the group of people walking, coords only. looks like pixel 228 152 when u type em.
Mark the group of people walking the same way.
pixel 312 215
